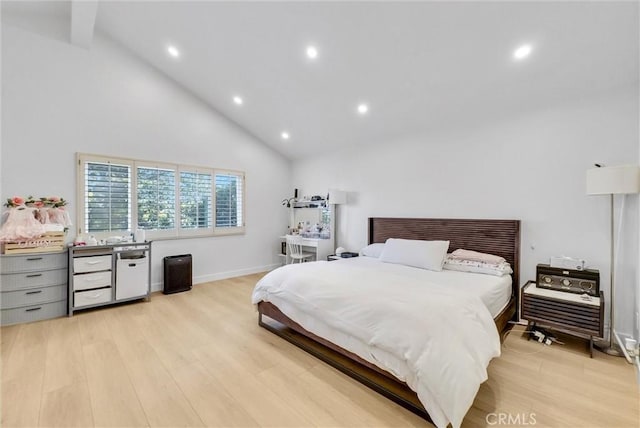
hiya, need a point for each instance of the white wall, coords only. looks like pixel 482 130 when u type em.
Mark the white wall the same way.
pixel 59 99
pixel 636 334
pixel 637 313
pixel 530 168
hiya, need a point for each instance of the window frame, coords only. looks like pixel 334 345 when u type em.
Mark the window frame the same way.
pixel 158 234
pixel 81 189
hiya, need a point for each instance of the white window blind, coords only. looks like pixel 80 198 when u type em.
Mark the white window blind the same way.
pixel 196 192
pixel 156 196
pixel 229 200
pixel 167 200
pixel 107 197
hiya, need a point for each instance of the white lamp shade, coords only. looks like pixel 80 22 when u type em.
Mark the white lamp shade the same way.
pixel 610 180
pixel 337 196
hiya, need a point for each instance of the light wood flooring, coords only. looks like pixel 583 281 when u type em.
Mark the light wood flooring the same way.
pixel 200 359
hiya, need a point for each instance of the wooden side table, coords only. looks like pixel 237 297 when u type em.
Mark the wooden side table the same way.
pixel 576 314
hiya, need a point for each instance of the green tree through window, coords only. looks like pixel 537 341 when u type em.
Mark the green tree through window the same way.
pixel 167 200
pixel 156 198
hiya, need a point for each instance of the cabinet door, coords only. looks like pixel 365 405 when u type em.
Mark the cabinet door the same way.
pixel 132 278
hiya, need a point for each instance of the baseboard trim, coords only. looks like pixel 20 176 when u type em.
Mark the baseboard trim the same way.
pixel 157 286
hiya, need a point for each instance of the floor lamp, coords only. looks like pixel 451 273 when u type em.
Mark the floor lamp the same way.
pixel 613 180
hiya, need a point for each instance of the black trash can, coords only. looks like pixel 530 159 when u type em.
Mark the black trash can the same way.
pixel 177 274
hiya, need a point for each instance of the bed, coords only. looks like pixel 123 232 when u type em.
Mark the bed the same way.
pixel 370 357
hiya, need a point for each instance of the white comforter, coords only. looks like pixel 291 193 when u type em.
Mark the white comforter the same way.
pixel 445 337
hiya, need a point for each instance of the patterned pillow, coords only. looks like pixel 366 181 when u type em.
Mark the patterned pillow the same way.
pixel 461 254
pixel 473 266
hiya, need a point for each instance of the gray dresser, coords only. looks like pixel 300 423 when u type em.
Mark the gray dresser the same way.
pixel 34 286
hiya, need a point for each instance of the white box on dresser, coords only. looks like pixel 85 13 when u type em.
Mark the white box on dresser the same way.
pixel 33 286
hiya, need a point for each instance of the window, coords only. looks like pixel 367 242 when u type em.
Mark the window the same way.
pixel 229 200
pixel 116 196
pixel 156 191
pixel 107 196
pixel 195 200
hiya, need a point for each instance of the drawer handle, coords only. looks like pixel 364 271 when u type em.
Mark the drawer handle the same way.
pixel 95 262
pixel 34 275
pixel 94 296
pixel 33 292
pixel 33 309
pixel 31 259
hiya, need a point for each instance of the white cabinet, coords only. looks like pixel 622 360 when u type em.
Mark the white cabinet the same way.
pixel 106 274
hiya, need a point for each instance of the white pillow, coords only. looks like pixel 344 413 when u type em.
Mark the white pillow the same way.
pixel 373 250
pixel 411 252
pixel 496 269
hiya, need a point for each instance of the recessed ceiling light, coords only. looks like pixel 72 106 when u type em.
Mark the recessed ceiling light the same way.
pixel 285 135
pixel 173 51
pixel 237 100
pixel 312 52
pixel 363 108
pixel 522 52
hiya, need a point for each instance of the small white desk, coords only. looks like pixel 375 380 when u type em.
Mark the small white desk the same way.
pixel 320 247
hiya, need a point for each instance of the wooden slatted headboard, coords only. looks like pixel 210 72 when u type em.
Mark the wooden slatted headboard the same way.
pixel 499 237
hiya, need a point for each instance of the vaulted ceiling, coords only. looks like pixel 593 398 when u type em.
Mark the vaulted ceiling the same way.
pixel 419 66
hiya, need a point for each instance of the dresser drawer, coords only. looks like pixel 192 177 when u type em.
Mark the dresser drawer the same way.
pixel 87 281
pixel 14 299
pixel 18 281
pixel 34 313
pixel 91 297
pixel 33 262
pixel 91 264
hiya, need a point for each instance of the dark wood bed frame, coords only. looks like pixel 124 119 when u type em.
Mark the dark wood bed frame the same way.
pixel 499 237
